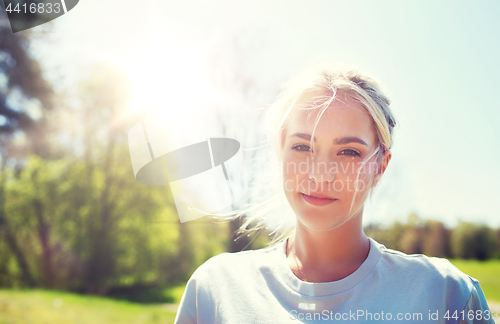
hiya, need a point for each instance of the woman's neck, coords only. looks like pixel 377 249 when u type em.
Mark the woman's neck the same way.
pixel 324 256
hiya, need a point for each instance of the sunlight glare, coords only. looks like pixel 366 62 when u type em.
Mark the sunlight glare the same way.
pixel 168 76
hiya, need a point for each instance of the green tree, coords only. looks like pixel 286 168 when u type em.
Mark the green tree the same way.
pixel 133 230
pixel 25 96
pixel 114 201
pixel 86 216
pixel 437 239
pixel 411 240
pixel 472 241
pixel 496 254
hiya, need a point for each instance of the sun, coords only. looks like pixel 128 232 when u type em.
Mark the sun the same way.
pixel 169 75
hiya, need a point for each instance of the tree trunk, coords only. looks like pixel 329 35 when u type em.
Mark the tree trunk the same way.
pixel 102 259
pixel 9 237
pixel 44 236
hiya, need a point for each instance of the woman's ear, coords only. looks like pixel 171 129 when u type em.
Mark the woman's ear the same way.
pixel 382 167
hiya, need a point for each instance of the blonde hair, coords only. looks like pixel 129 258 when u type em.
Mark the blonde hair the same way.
pixel 331 82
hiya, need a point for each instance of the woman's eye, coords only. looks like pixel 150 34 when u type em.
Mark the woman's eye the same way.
pixel 301 148
pixel 349 153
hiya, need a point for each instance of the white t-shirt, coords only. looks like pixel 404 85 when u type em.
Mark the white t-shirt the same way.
pixel 259 287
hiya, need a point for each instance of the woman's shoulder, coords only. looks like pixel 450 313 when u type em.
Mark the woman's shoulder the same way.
pixel 227 264
pixel 428 280
pixel 421 268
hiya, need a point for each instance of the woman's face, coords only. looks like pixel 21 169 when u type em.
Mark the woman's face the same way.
pixel 320 187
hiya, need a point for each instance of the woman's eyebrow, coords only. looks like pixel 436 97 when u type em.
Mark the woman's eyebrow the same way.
pixel 337 141
pixel 349 139
pixel 305 136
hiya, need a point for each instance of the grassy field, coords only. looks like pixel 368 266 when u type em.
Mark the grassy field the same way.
pixel 487 272
pixel 51 307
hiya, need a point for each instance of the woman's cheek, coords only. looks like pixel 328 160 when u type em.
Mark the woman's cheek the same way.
pixel 294 172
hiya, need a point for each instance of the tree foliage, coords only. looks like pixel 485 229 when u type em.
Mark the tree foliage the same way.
pixel 432 238
pixel 473 241
pixel 25 95
pixel 83 222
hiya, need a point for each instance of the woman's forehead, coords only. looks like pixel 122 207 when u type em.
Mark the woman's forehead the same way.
pixel 344 116
pixel 343 106
pixel 316 100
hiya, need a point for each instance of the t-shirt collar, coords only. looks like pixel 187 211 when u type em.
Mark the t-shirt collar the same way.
pixel 326 288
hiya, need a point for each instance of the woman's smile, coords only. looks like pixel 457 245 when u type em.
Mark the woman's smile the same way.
pixel 318 201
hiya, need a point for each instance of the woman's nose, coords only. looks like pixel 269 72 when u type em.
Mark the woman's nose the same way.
pixel 320 170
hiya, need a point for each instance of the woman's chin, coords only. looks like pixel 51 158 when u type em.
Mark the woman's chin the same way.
pixel 324 221
pixel 318 223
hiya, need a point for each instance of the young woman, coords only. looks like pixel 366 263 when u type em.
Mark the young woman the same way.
pixel 333 135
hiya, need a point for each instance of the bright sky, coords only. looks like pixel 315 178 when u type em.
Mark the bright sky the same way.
pixel 437 61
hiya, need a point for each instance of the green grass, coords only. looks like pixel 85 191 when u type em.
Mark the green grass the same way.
pixel 175 293
pixel 487 272
pixel 152 295
pixel 40 307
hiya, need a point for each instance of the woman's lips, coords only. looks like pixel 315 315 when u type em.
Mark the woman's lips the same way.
pixel 317 201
